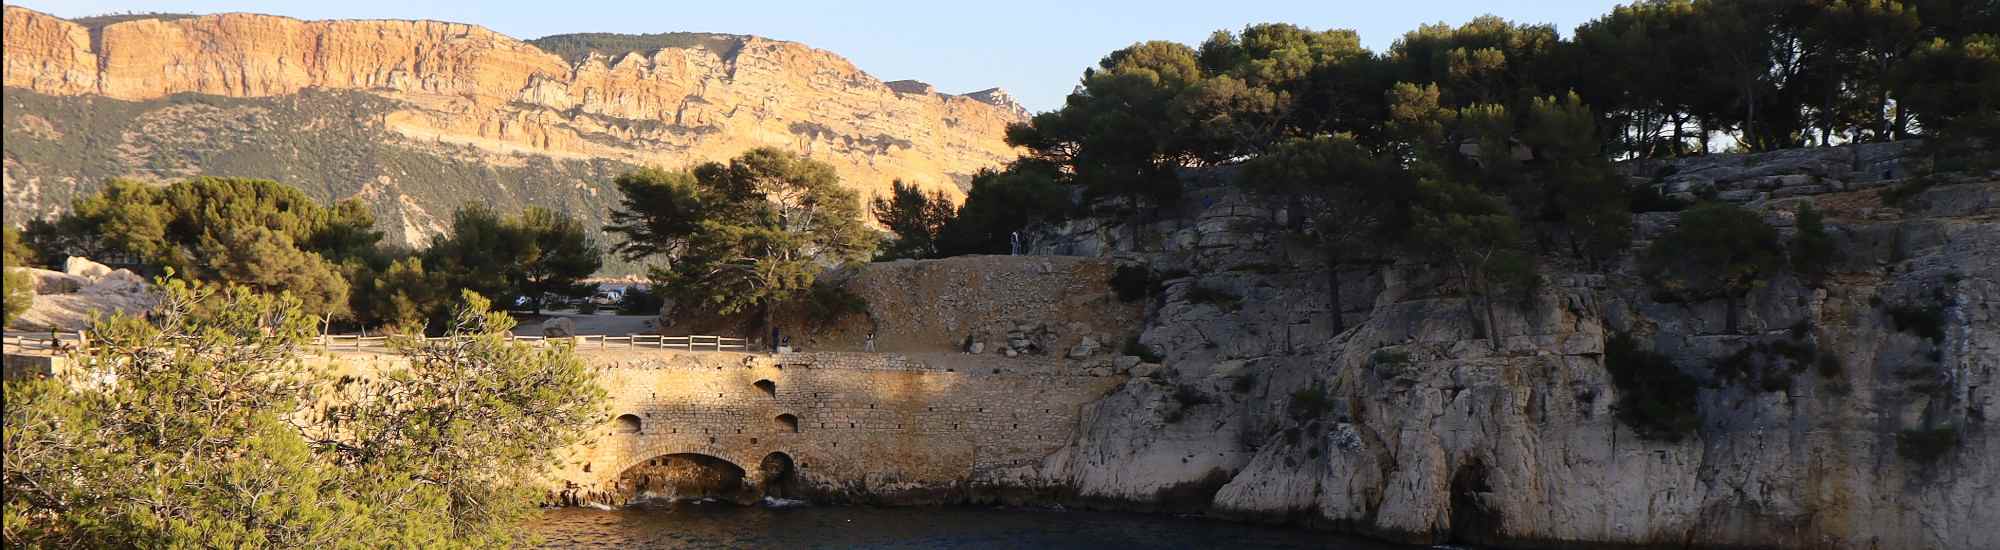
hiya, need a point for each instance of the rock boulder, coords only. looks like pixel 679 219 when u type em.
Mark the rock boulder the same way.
pixel 559 327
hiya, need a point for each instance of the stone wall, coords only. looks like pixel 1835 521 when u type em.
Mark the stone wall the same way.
pixel 869 427
pixel 1037 306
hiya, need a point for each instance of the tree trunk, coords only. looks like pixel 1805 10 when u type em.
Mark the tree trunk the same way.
pixel 1333 285
pixel 771 325
pixel 1492 326
pixel 1902 127
pixel 1679 121
pixel 1704 136
pixel 1730 302
pixel 1882 114
pixel 1750 115
pixel 1471 315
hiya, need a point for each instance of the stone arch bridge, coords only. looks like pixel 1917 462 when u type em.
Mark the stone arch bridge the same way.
pixel 831 426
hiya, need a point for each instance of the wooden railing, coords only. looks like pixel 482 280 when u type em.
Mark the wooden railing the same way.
pixel 600 341
pixel 54 342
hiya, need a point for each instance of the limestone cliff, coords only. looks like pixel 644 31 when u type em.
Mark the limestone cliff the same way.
pixel 266 96
pixel 1424 432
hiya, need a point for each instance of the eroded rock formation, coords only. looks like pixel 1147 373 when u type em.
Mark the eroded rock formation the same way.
pixel 1410 426
pixel 456 94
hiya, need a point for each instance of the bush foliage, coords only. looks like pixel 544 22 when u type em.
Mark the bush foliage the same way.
pixel 749 234
pixel 1926 445
pixel 1655 398
pixel 212 434
pixel 20 287
pixel 272 238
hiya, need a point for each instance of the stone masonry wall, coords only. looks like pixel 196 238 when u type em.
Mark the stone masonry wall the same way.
pixel 872 427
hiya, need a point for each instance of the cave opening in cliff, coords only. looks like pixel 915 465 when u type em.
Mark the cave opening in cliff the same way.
pixel 683 476
pixel 1473 519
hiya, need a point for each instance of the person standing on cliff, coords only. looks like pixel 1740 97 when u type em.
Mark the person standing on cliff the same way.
pixel 868 344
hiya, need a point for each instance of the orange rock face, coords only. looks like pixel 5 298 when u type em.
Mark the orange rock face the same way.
pixel 467 85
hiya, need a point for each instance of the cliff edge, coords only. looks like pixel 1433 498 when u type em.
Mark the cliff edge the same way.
pixel 326 104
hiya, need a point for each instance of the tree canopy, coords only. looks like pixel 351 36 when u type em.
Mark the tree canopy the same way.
pixel 1001 203
pixel 260 233
pixel 211 433
pixel 915 218
pixel 1718 250
pixel 273 238
pixel 519 258
pixel 747 234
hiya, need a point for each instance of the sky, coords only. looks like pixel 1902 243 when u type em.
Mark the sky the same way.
pixel 1034 49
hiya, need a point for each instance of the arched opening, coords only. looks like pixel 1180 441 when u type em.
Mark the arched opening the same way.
pixel 682 476
pixel 770 388
pixel 788 423
pixel 626 424
pixel 775 474
pixel 1473 519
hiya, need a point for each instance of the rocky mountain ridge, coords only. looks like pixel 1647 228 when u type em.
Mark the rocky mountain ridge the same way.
pixel 476 109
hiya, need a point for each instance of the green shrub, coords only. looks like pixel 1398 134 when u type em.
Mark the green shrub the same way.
pixel 1647 198
pixel 1718 250
pixel 1131 282
pixel 1309 403
pixel 1926 445
pixel 20 287
pixel 828 303
pixel 1799 354
pixel 1137 349
pixel 1899 195
pixel 1767 366
pixel 1799 330
pixel 1775 380
pixel 574 48
pixel 1243 383
pixel 1925 321
pixel 1812 249
pixel 1185 397
pixel 1221 299
pixel 1829 366
pixel 1656 399
pixel 1386 357
pixel 1190 396
pixel 586 307
pixel 640 301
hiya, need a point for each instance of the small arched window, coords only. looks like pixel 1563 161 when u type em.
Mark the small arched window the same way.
pixel 770 388
pixel 788 423
pixel 626 424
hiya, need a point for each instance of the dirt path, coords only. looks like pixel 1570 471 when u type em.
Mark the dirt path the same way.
pixel 593 325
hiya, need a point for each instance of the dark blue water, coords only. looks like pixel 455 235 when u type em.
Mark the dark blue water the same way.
pixel 687 525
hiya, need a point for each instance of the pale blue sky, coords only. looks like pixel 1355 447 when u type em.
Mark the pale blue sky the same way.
pixel 1035 49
